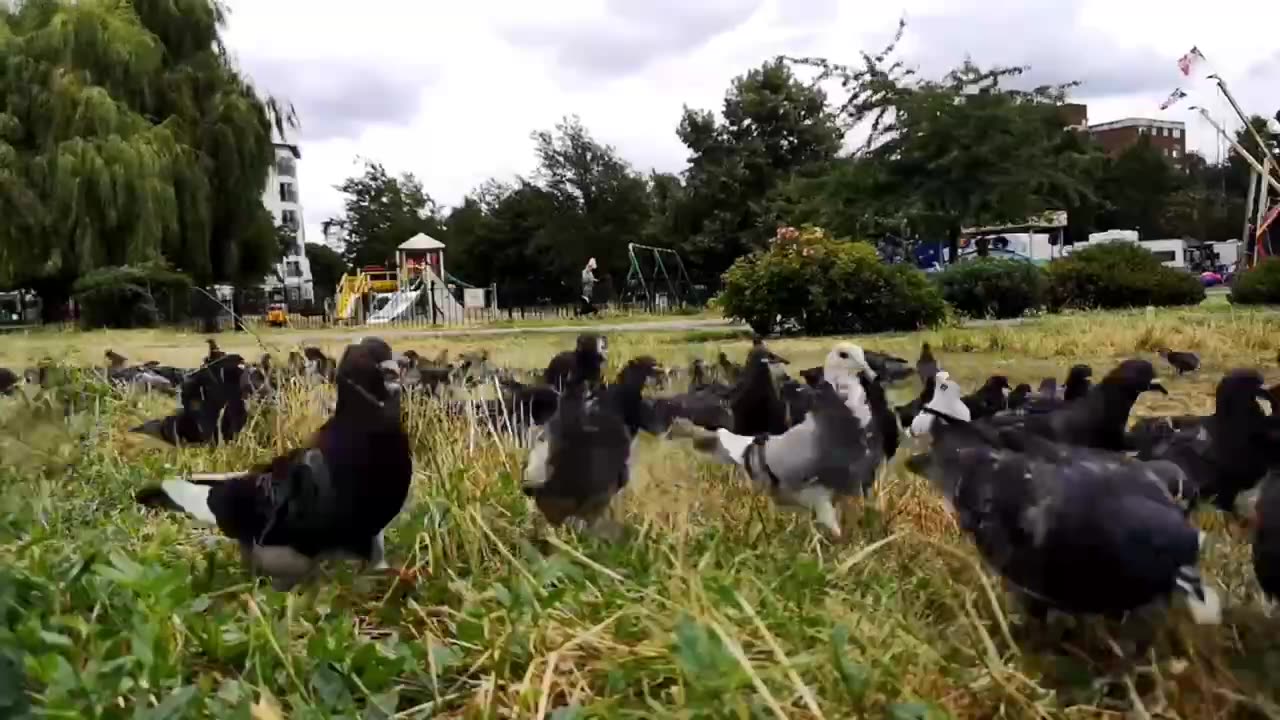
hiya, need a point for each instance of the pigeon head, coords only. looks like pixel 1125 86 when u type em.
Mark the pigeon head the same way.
pixel 1238 394
pixel 947 402
pixel 640 371
pixel 1134 375
pixel 369 378
pixel 1079 372
pixel 757 343
pixel 593 343
pixel 846 360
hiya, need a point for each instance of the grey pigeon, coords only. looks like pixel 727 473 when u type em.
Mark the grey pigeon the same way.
pixel 1069 528
pixel 834 452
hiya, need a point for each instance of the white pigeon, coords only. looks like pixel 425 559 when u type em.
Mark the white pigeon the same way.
pixel 829 454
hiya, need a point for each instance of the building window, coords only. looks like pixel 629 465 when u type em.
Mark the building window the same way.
pixel 289 218
pixel 1143 130
pixel 293 269
pixel 286 167
pixel 1174 153
pixel 1165 256
pixel 288 193
pixel 1177 132
pixel 293 293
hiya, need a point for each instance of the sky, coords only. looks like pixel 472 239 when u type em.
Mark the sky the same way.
pixel 452 90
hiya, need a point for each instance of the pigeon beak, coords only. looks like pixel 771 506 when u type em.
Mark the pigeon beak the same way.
pixel 1158 387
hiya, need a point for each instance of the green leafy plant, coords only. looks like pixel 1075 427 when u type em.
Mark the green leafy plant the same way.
pixel 1259 285
pixel 809 281
pixel 1119 275
pixel 128 296
pixel 994 287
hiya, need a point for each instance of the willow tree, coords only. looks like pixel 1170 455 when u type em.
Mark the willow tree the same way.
pixel 127 136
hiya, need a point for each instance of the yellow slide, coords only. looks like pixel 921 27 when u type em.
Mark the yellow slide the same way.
pixel 350 289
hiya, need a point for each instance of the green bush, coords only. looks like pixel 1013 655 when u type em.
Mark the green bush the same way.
pixel 994 287
pixel 1118 275
pixel 128 296
pixel 1259 285
pixel 808 281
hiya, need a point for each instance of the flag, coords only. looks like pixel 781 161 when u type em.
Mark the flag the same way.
pixel 1188 62
pixel 1173 98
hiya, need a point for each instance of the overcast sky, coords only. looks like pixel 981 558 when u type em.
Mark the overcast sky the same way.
pixel 451 90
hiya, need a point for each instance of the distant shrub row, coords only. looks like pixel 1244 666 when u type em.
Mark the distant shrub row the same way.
pixel 810 282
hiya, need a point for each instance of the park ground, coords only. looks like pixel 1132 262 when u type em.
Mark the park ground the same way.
pixel 715 606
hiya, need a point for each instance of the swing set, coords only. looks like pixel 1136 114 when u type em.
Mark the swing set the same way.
pixel 660 288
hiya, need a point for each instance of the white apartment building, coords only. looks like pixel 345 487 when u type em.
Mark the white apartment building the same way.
pixel 281 198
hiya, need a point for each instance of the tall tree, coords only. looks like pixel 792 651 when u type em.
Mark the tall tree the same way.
pixel 772 127
pixel 602 204
pixel 382 211
pixel 1138 185
pixel 963 150
pixel 327 269
pixel 127 136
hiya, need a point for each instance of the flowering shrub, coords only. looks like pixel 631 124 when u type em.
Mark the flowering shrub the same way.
pixel 807 280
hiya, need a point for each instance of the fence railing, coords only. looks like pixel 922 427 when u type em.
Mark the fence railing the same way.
pixel 426 307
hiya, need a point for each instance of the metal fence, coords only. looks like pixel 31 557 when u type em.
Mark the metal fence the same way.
pixel 433 307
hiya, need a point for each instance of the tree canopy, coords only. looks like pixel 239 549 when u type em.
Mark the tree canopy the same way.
pixel 127 136
pixel 381 211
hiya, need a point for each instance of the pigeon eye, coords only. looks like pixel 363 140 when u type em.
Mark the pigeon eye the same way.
pixel 943 386
pixel 844 355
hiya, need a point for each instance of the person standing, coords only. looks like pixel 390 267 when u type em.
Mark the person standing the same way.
pixel 588 287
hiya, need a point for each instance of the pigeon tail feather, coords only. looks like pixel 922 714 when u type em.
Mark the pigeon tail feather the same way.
pixel 733 448
pixel 1202 601
pixel 182 496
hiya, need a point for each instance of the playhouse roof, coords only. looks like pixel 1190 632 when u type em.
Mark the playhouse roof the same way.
pixel 421 241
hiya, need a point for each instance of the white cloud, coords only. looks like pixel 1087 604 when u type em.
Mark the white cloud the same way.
pixel 451 91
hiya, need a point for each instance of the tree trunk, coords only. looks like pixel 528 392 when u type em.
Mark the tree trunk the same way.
pixel 953 242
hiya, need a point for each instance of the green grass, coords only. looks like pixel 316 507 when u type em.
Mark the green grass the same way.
pixel 715 606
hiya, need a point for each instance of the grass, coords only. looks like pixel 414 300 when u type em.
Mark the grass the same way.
pixel 716 606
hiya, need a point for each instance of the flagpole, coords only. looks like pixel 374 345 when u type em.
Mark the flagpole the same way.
pixel 1245 235
pixel 1243 153
pixel 1243 118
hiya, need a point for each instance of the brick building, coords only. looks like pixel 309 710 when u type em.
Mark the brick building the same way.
pixel 1168 136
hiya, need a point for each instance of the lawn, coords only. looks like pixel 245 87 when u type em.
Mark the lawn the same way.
pixel 715 606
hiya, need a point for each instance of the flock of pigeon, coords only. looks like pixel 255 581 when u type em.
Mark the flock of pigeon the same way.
pixel 1077 510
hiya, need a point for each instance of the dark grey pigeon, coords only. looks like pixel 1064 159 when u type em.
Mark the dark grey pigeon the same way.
pixel 1070 528
pixel 1262 511
pixel 834 452
pixel 581 459
pixel 1048 388
pixel 1100 419
pixel 1077 384
pixel 1230 451
pixel 926 366
pixel 585 362
pixel 8 381
pixel 212 409
pixel 1183 362
pixel 755 401
pixel 1019 397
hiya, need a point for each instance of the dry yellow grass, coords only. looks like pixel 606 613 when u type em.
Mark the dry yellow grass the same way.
pixel 716 606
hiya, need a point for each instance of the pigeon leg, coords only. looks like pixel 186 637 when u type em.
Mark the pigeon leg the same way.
pixel 819 499
pixel 378 553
